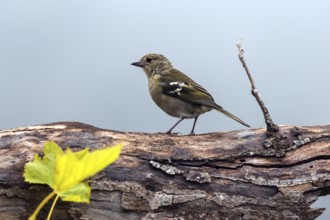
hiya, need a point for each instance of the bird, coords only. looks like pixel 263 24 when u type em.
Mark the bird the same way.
pixel 176 93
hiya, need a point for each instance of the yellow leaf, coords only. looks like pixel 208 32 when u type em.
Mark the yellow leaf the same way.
pixel 41 170
pixel 72 168
pixel 64 172
pixel 79 193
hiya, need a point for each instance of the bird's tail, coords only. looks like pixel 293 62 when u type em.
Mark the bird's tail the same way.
pixel 230 115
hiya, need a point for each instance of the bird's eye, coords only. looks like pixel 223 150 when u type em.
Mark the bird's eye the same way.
pixel 148 59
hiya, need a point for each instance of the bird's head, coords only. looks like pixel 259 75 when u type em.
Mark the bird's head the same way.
pixel 153 64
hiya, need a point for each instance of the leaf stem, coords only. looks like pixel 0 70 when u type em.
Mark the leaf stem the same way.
pixel 52 208
pixel 43 202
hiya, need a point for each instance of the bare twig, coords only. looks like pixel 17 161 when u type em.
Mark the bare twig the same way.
pixel 271 126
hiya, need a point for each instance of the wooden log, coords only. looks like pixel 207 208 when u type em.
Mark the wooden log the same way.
pixel 246 174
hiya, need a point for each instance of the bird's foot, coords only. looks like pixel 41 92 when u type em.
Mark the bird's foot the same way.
pixel 174 133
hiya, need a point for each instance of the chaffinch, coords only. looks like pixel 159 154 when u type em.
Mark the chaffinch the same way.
pixel 175 93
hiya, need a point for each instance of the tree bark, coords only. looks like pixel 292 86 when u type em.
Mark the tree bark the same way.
pixel 246 174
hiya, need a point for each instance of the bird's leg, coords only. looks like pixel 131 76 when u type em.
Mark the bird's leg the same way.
pixel 178 122
pixel 193 128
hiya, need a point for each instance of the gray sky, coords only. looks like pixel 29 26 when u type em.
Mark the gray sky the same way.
pixel 70 60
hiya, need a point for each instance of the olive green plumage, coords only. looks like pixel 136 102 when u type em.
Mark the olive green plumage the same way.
pixel 175 93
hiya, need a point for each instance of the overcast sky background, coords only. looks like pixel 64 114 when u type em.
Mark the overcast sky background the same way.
pixel 70 61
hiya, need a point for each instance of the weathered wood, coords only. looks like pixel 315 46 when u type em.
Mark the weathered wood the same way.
pixel 243 174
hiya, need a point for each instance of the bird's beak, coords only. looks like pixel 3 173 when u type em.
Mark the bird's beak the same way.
pixel 139 64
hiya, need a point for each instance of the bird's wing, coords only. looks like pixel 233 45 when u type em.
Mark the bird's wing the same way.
pixel 186 89
pixel 180 86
